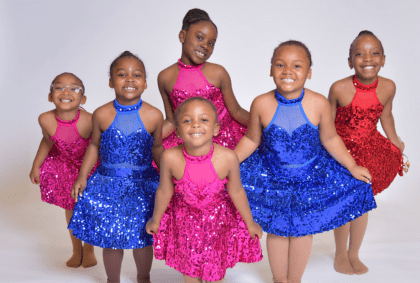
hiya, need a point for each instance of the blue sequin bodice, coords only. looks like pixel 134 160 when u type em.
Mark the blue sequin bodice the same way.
pixel 126 143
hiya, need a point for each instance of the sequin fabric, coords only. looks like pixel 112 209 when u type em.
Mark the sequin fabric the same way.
pixel 201 233
pixel 60 168
pixel 190 83
pixel 119 197
pixel 294 186
pixel 356 125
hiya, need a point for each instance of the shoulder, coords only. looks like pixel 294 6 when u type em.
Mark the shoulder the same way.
pixel 216 69
pixel 341 86
pixel 168 73
pixel 103 111
pixel 85 115
pixel 226 154
pixel 317 99
pixel 47 119
pixel 152 111
pixel 172 155
pixel 387 85
pixel 264 100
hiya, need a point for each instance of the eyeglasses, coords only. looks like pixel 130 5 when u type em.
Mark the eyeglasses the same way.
pixel 60 88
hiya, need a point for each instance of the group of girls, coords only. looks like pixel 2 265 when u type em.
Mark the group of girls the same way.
pixel 290 174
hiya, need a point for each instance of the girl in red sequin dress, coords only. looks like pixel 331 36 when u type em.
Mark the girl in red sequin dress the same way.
pixel 193 76
pixel 66 131
pixel 358 102
pixel 202 221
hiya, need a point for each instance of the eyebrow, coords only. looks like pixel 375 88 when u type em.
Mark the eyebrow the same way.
pixel 122 69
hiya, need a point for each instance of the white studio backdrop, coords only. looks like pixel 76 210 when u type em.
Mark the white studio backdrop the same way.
pixel 40 39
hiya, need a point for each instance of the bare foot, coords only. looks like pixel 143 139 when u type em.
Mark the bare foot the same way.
pixel 358 266
pixel 75 260
pixel 89 258
pixel 342 265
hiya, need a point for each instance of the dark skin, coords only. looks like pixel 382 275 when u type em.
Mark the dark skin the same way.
pixel 197 46
pixel 129 81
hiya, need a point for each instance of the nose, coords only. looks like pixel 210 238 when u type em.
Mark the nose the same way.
pixel 66 90
pixel 367 57
pixel 205 45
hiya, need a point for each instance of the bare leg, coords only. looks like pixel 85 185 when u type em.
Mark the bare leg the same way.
pixel 299 252
pixel 112 262
pixel 76 258
pixel 220 281
pixel 278 257
pixel 89 258
pixel 143 259
pixel 341 261
pixel 357 232
pixel 188 279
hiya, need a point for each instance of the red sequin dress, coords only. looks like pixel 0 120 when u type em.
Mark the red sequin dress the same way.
pixel 356 125
pixel 201 233
pixel 60 168
pixel 191 82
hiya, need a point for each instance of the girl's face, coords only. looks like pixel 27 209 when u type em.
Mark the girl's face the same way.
pixel 197 43
pixel 66 93
pixel 367 59
pixel 290 70
pixel 128 79
pixel 197 124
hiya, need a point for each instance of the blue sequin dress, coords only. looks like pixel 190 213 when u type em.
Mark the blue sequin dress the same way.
pixel 294 186
pixel 119 197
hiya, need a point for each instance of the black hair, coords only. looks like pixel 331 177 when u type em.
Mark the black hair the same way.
pixel 294 43
pixel 123 55
pixel 192 99
pixel 194 16
pixel 364 32
pixel 67 73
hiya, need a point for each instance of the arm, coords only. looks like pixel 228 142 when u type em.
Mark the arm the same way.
pixel 169 123
pixel 157 147
pixel 232 105
pixel 89 160
pixel 44 148
pixel 164 193
pixel 332 98
pixel 237 194
pixel 335 146
pixel 249 143
pixel 387 121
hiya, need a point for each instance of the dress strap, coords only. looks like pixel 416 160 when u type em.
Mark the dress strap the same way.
pixel 198 159
pixel 127 108
pixel 68 122
pixel 363 87
pixel 281 99
pixel 183 66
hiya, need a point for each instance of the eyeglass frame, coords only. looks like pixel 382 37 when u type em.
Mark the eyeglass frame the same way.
pixel 79 88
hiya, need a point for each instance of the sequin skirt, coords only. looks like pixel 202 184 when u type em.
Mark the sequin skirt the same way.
pixel 379 155
pixel 299 201
pixel 204 242
pixel 113 211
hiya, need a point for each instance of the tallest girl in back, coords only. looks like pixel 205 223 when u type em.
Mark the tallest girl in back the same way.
pixel 193 76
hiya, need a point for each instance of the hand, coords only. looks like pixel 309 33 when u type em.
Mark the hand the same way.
pixel 78 188
pixel 255 229
pixel 400 144
pixel 34 175
pixel 152 226
pixel 361 173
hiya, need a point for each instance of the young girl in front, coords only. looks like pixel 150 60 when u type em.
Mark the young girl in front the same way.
pixel 193 76
pixel 66 130
pixel 294 186
pixel 114 204
pixel 357 103
pixel 202 221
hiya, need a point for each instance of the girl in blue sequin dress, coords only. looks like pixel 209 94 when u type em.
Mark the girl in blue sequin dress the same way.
pixel 294 186
pixel 114 205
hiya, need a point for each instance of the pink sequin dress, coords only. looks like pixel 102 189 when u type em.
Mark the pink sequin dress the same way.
pixel 201 233
pixel 190 83
pixel 61 167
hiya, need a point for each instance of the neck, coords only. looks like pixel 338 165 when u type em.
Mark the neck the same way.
pixel 123 101
pixel 365 81
pixel 291 95
pixel 187 61
pixel 66 114
pixel 198 151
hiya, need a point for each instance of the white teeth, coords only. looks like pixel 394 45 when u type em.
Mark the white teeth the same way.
pixel 65 100
pixel 130 88
pixel 288 80
pixel 200 54
pixel 368 67
pixel 197 134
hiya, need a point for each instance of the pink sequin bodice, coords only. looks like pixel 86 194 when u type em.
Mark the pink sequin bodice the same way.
pixel 190 83
pixel 60 168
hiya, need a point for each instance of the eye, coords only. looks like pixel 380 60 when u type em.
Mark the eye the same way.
pixel 121 75
pixel 186 121
pixel 211 43
pixel 280 65
pixel 138 75
pixel 74 89
pixel 199 38
pixel 58 88
pixel 358 54
pixel 296 66
pixel 204 119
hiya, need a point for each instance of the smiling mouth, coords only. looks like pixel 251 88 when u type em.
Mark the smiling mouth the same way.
pixel 66 100
pixel 130 88
pixel 368 67
pixel 200 54
pixel 287 80
pixel 197 134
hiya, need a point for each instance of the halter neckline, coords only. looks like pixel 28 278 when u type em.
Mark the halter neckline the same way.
pixel 191 158
pixel 363 87
pixel 127 108
pixel 183 66
pixel 68 122
pixel 281 99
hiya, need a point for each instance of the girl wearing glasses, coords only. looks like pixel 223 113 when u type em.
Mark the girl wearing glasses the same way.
pixel 66 135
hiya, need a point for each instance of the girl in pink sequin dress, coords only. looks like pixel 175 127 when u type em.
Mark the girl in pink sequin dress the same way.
pixel 358 102
pixel 193 76
pixel 66 131
pixel 202 221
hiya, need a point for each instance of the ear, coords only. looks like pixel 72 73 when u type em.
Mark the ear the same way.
pixel 145 85
pixel 182 35
pixel 271 70
pixel 83 99
pixel 350 63
pixel 50 97
pixel 111 84
pixel 216 129
pixel 177 131
pixel 309 76
pixel 383 61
